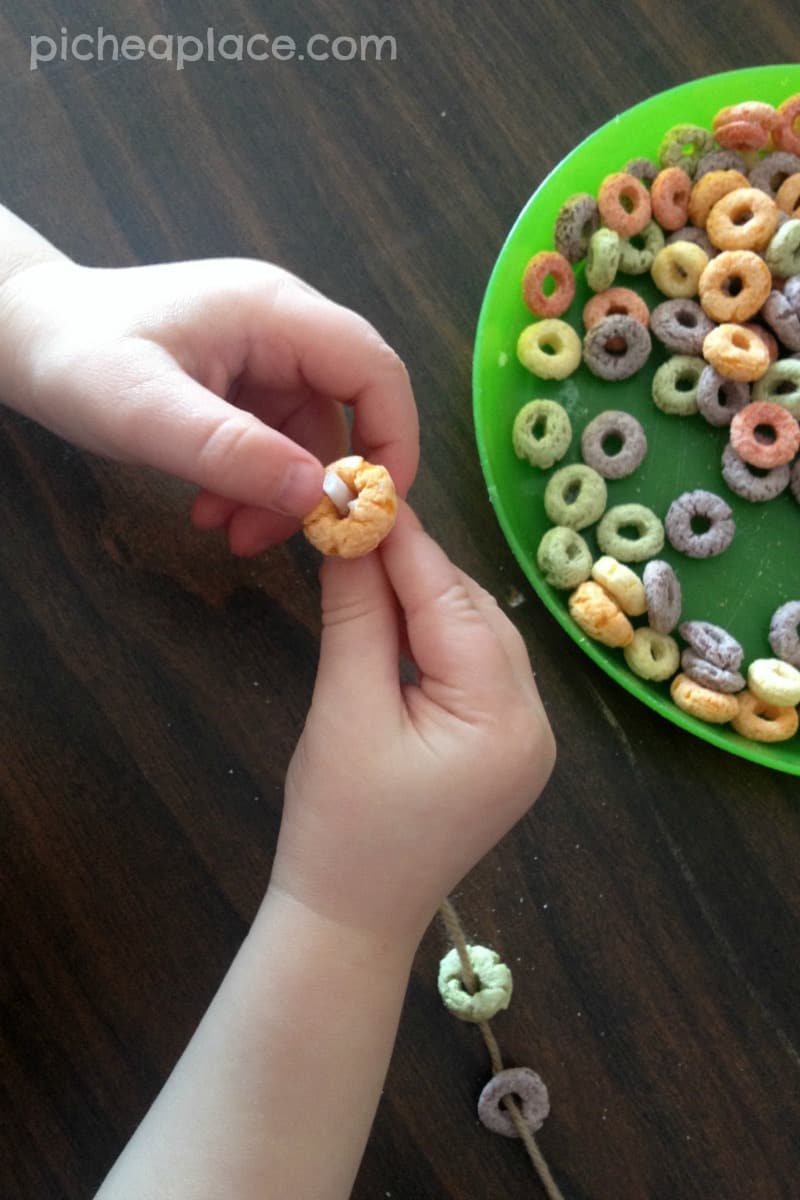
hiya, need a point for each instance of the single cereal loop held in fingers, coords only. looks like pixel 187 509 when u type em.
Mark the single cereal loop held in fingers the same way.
pixel 548 264
pixel 734 286
pixel 743 482
pixel 736 353
pixel 616 347
pixel 718 679
pixel 719 397
pixel 602 259
pixel 564 558
pixel 715 707
pixel 652 655
pixel 599 615
pixel 681 325
pixel 711 188
pixel 675 384
pixel 787 196
pixel 649 539
pixel 765 435
pixel 677 269
pixel 577 220
pixel 575 496
pixel 762 722
pixel 786 134
pixel 612 426
pixel 550 349
pixel 613 302
pixel 369 517
pixel 780 384
pixel 663 593
pixel 669 196
pixel 713 643
pixel 624 204
pixel 622 584
pixel 744 219
pixel 774 681
pixel 699 507
pixel 541 433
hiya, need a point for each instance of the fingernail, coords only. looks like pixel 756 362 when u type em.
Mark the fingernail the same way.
pixel 301 489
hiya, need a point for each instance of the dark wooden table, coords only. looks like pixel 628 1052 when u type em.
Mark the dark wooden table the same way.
pixel 153 687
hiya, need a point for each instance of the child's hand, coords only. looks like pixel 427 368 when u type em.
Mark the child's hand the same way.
pixel 395 792
pixel 229 373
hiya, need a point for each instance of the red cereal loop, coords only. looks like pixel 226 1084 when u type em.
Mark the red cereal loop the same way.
pixel 615 189
pixel 755 111
pixel 615 301
pixel 756 447
pixel 548 263
pixel 742 135
pixel 669 197
pixel 785 135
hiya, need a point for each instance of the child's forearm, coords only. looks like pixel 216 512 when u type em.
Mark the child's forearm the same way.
pixel 276 1093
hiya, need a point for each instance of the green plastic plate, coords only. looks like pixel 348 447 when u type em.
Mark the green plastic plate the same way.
pixel 741 588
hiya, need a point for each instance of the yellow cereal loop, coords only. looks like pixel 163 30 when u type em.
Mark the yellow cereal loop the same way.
pixel 774 682
pixel 761 722
pixel 676 269
pixel 599 615
pixel 715 707
pixel 622 584
pixel 494 985
pixel 551 349
pixel 652 655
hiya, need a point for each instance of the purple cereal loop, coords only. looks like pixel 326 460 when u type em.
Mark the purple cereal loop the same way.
pixel 622 425
pixel 663 592
pixel 690 233
pixel 783 318
pixel 578 219
pixel 708 674
pixel 770 173
pixel 706 506
pixel 791 291
pixel 743 481
pixel 719 398
pixel 643 169
pixel 606 363
pixel 720 160
pixel 681 326
pixel 522 1083
pixel 784 632
pixel 713 643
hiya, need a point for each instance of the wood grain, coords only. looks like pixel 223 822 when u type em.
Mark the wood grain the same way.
pixel 153 687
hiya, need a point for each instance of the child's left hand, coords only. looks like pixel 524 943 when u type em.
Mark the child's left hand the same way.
pixel 229 373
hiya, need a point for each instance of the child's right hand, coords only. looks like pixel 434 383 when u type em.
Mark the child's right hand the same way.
pixel 395 792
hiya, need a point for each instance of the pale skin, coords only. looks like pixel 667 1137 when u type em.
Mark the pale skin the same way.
pixel 228 373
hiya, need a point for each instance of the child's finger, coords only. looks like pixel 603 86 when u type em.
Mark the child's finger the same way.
pixel 452 643
pixel 506 632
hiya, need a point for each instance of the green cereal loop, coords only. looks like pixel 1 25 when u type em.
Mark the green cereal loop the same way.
pixel 669 394
pixel 575 496
pixel 647 544
pixel 564 558
pixel 602 259
pixel 550 349
pixel 780 384
pixel 637 260
pixel 542 433
pixel 782 255
pixel 683 146
pixel 492 994
pixel 652 655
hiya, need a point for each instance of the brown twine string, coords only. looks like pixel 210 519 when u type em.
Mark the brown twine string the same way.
pixel 455 931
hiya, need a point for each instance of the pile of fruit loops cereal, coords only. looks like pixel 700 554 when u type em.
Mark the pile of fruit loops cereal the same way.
pixel 715 224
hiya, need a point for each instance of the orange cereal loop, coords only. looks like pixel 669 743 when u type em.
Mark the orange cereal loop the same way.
pixel 715 707
pixel 736 352
pixel 787 196
pixel 765 435
pixel 709 189
pixel 786 134
pixel 548 264
pixel 599 615
pixel 734 285
pixel 669 197
pixel 624 204
pixel 756 112
pixel 743 220
pixel 357 511
pixel 762 722
pixel 615 301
